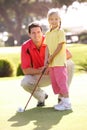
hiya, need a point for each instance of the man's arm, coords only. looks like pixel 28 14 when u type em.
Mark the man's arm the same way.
pixel 32 71
pixel 46 55
pixel 68 54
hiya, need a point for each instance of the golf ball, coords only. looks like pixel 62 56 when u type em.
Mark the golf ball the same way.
pixel 20 109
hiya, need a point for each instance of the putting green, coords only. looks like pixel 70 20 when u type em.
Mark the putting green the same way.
pixel 13 96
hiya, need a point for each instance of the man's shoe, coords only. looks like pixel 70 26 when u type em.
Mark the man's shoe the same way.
pixel 41 104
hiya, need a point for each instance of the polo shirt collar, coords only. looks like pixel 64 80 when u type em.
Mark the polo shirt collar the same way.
pixel 42 44
pixel 56 29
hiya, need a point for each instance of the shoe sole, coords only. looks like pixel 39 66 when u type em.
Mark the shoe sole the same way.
pixel 41 104
pixel 63 109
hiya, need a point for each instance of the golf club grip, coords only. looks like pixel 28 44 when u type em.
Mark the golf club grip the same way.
pixel 35 87
pixel 43 70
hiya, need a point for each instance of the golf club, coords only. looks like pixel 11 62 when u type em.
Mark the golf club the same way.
pixel 22 110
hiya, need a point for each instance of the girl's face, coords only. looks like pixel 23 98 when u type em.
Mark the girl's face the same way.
pixel 54 21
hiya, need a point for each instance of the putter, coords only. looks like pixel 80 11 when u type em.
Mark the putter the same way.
pixel 22 110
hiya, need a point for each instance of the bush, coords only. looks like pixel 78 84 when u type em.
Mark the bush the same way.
pixel 19 71
pixel 6 69
pixel 83 66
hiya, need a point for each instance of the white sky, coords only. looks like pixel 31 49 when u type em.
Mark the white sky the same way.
pixel 75 16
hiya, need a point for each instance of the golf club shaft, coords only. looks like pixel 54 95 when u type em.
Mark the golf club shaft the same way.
pixel 34 88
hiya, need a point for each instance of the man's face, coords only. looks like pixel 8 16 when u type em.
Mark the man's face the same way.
pixel 36 35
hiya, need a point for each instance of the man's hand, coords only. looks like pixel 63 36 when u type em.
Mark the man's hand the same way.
pixel 46 72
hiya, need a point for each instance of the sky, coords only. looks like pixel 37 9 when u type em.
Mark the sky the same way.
pixel 75 17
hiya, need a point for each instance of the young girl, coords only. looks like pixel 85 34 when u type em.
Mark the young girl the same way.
pixel 56 58
pixel 70 69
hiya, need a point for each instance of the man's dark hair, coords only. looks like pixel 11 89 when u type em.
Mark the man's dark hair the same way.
pixel 34 24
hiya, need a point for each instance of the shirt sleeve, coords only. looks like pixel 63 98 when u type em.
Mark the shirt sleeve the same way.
pixel 62 37
pixel 25 58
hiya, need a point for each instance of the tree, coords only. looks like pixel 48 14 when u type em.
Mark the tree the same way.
pixel 12 15
pixel 16 13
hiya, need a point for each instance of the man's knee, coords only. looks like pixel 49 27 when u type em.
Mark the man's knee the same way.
pixel 27 86
pixel 28 80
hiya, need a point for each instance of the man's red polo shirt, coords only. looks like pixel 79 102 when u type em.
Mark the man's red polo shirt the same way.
pixel 29 53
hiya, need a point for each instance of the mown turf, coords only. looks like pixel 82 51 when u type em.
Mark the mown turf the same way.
pixel 79 55
pixel 13 96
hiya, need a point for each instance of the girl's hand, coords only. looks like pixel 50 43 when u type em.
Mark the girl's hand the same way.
pixel 50 59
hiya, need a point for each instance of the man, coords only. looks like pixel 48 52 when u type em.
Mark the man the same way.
pixel 32 62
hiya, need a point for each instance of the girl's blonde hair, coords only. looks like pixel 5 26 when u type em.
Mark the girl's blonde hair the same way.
pixel 54 11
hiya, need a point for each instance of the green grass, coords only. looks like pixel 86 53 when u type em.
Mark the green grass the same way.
pixel 12 54
pixel 13 96
pixel 46 118
pixel 79 52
